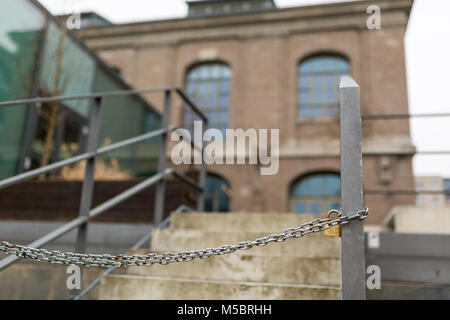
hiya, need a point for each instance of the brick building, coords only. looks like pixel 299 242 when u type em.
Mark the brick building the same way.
pixel 249 64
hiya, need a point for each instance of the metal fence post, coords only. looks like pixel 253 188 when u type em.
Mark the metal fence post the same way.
pixel 202 175
pixel 162 160
pixel 352 241
pixel 88 182
pixel 87 190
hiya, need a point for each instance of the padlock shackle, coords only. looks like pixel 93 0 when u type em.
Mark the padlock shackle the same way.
pixel 334 211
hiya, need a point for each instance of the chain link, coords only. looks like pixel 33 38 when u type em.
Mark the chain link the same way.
pixel 107 260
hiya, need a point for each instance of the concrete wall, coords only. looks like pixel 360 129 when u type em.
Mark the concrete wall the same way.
pixel 102 237
pixel 428 220
pixel 412 266
pixel 33 281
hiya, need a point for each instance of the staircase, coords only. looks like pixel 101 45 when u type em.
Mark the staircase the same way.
pixel 304 268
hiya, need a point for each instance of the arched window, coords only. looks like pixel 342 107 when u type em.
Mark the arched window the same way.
pixel 318 85
pixel 209 86
pixel 316 194
pixel 217 194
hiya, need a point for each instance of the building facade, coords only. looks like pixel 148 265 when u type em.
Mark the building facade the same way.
pixel 279 69
pixel 436 185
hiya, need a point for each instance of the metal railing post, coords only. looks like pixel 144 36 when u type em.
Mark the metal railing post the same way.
pixel 88 182
pixel 202 174
pixel 162 160
pixel 87 190
pixel 352 241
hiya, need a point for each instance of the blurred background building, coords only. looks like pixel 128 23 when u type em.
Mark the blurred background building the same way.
pixel 84 20
pixel 251 65
pixel 434 184
pixel 447 190
pixel 247 64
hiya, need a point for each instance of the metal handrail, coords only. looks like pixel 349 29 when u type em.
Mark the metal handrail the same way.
pixel 86 212
pixel 49 237
pixel 80 221
pixel 191 104
pixel 84 156
pixel 35 100
pixel 182 177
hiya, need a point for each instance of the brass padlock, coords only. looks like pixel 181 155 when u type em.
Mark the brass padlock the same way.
pixel 336 230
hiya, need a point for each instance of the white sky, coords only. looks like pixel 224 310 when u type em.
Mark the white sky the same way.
pixel 427 49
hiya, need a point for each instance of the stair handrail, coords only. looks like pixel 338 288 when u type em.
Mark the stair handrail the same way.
pixel 86 212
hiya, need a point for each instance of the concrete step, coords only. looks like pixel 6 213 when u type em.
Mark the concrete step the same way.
pixel 236 222
pixel 241 266
pixel 310 246
pixel 158 288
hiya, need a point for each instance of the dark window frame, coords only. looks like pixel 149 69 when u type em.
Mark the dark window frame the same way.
pixel 320 73
pixel 209 85
pixel 308 198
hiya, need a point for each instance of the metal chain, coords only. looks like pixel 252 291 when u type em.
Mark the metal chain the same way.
pixel 107 260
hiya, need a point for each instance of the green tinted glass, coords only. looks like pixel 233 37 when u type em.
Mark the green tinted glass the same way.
pixel 124 117
pixel 19 46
